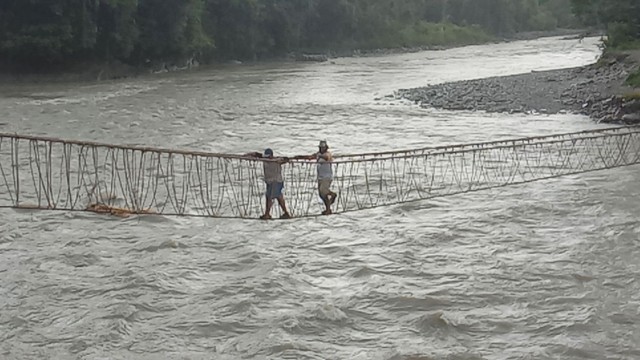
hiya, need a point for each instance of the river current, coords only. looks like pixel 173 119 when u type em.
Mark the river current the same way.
pixel 546 270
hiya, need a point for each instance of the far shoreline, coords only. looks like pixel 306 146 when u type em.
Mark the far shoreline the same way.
pixel 99 72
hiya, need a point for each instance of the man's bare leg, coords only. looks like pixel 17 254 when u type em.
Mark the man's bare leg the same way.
pixel 327 205
pixel 283 206
pixel 333 197
pixel 267 209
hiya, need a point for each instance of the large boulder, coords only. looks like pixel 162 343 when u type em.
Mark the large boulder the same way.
pixel 631 106
pixel 631 118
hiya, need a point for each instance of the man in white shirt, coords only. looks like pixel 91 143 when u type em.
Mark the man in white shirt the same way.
pixel 325 175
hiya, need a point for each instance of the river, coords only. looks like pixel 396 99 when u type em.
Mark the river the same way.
pixel 545 270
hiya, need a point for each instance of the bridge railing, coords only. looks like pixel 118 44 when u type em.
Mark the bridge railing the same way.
pixel 45 173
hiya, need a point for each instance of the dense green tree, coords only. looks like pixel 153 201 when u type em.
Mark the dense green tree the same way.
pixel 38 33
pixel 41 33
pixel 560 10
pixel 116 28
pixel 620 17
pixel 170 29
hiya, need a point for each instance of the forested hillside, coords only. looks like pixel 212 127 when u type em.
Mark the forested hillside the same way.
pixel 51 34
pixel 621 18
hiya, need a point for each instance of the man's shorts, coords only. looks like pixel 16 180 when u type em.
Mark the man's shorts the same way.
pixel 274 190
pixel 324 187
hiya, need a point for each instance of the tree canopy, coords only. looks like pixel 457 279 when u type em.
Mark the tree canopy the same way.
pixel 620 17
pixel 47 33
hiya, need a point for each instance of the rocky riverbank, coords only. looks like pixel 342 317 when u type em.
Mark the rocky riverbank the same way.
pixel 596 90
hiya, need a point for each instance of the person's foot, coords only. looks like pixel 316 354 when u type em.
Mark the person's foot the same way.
pixel 332 199
pixel 265 217
pixel 327 212
pixel 285 216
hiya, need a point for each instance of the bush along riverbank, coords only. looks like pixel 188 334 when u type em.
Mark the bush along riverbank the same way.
pixel 604 91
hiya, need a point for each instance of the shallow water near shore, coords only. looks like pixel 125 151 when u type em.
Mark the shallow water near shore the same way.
pixel 546 270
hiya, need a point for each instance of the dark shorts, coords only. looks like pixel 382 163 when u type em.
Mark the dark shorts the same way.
pixel 274 190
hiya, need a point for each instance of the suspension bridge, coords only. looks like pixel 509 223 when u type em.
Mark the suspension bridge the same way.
pixel 54 174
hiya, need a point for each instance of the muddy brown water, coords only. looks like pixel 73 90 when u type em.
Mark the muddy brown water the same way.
pixel 546 270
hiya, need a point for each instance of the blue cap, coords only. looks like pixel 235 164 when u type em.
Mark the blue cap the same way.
pixel 267 153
